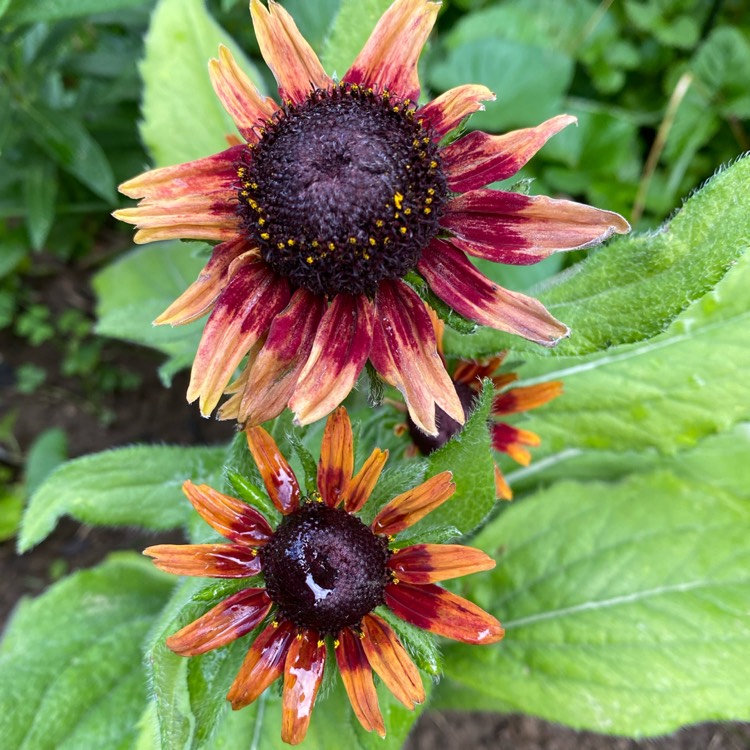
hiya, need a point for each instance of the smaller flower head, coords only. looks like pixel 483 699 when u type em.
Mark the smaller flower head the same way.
pixel 324 573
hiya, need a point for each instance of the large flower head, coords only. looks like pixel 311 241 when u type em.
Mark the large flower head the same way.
pixel 337 192
pixel 324 573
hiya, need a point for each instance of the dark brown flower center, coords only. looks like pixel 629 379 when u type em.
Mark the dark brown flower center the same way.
pixel 324 568
pixel 447 426
pixel 342 191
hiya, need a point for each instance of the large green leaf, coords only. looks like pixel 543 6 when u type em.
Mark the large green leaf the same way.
pixel 71 669
pixel 138 486
pixel 22 11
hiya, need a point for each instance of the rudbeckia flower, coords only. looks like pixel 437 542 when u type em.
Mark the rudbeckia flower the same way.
pixel 325 572
pixel 338 191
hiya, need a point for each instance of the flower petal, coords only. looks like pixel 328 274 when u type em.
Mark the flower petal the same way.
pixel 429 563
pixel 433 608
pixel 339 353
pixel 291 59
pixel 502 488
pixel 232 518
pixel 406 509
pixel 263 664
pixel 243 312
pixel 365 480
pixel 391 662
pixel 472 372
pixel 459 284
pixel 357 678
pixel 389 58
pixel 526 397
pixel 277 474
pixel 511 440
pixel 236 616
pixel 523 229
pixel 478 158
pixel 336 458
pixel 448 111
pixel 404 352
pixel 206 560
pixel 303 673
pixel 243 102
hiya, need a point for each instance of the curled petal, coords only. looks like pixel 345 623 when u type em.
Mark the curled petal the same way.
pixel 448 111
pixel 291 59
pixel 277 474
pixel 406 509
pixel 357 678
pixel 433 608
pixel 459 284
pixel 339 352
pixel 429 563
pixel 472 372
pixel 303 672
pixel 336 458
pixel 511 440
pixel 404 352
pixel 236 616
pixel 263 664
pixel 478 158
pixel 365 480
pixel 242 101
pixel 391 662
pixel 206 560
pixel 526 397
pixel 232 518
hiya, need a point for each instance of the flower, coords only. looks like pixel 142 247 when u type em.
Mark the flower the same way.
pixel 333 197
pixel 325 572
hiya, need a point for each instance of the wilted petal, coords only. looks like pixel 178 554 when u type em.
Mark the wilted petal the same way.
pixel 206 560
pixel 511 440
pixel 429 563
pixel 303 673
pixel 365 480
pixel 433 608
pixel 447 111
pixel 277 474
pixel 336 458
pixel 526 397
pixel 236 616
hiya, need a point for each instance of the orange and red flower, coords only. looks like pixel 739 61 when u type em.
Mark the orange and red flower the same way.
pixel 324 573
pixel 335 195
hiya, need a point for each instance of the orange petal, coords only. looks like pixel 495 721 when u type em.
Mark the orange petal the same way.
pixel 406 509
pixel 511 440
pixel 389 58
pixel 470 371
pixel 502 488
pixel 336 458
pixel 365 480
pixel 263 664
pixel 448 111
pixel 526 397
pixel 206 560
pixel 357 678
pixel 277 474
pixel 232 518
pixel 242 101
pixel 303 673
pixel 433 608
pixel 391 662
pixel 295 66
pixel 428 563
pixel 231 619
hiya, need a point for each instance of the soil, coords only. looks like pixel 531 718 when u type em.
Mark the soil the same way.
pixel 153 413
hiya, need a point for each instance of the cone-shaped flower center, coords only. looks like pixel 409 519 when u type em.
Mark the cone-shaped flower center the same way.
pixel 342 191
pixel 447 426
pixel 324 568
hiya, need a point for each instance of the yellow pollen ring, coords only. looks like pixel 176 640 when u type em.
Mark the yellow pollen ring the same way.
pixel 336 642
pixel 321 643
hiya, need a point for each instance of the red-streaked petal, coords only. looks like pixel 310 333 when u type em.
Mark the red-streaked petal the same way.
pixel 406 509
pixel 524 229
pixel 404 352
pixel 470 371
pixel 511 440
pixel 232 518
pixel 336 458
pixel 478 158
pixel 303 673
pixel 206 560
pixel 277 474
pixel 502 488
pixel 433 608
pixel 242 101
pixel 468 291
pixel 448 111
pixel 274 374
pixel 263 664
pixel 236 616
pixel 357 678
pixel 291 59
pixel 365 480
pixel 391 662
pixel 389 58
pixel 242 314
pixel 339 352
pixel 526 397
pixel 429 563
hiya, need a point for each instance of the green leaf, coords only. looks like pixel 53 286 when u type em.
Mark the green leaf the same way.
pixel 46 453
pixel 183 118
pixel 22 11
pixel 313 18
pixel 71 671
pixel 139 486
pixel 40 191
pixel 14 251
pixel 11 508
